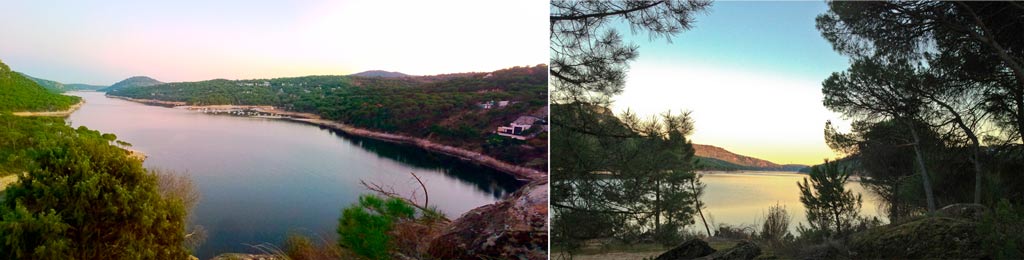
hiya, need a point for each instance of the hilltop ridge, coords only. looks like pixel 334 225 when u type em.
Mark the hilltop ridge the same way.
pixel 717 158
pixel 381 74
pixel 136 81
pixel 19 93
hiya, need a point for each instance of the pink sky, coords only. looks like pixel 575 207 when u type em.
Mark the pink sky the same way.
pixel 101 43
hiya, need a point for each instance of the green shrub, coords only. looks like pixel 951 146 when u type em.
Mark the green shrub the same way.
pixel 301 247
pixel 775 229
pixel 83 198
pixel 1003 232
pixel 363 228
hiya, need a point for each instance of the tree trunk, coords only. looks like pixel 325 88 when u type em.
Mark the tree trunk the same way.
pixel 977 171
pixel 657 208
pixel 696 199
pixel 839 224
pixel 975 145
pixel 894 210
pixel 924 170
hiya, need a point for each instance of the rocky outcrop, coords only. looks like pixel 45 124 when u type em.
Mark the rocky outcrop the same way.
pixel 690 249
pixel 236 256
pixel 514 228
pixel 744 250
pixel 925 238
pixel 964 210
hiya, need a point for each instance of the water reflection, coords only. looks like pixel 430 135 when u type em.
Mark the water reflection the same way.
pixel 740 199
pixel 497 183
pixel 262 178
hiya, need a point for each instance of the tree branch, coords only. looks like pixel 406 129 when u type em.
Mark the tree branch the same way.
pixel 555 18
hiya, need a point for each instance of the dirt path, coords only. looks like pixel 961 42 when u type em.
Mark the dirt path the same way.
pixel 7 180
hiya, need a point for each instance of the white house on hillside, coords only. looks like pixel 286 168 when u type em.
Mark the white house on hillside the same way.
pixel 517 128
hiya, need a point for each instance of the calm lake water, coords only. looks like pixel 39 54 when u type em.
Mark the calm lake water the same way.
pixel 744 198
pixel 263 178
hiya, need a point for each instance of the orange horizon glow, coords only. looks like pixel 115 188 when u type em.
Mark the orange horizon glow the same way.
pixel 768 117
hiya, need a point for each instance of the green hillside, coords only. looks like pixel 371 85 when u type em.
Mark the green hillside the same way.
pixel 58 87
pixel 137 81
pixel 712 164
pixel 76 86
pixel 442 108
pixel 52 86
pixel 18 93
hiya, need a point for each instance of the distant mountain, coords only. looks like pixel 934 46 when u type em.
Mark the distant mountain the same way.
pixel 58 87
pixel 77 86
pixel 137 81
pixel 849 162
pixel 717 158
pixel 794 167
pixel 381 74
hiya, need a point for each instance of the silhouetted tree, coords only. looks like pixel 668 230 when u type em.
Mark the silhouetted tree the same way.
pixel 871 91
pixel 615 175
pixel 830 206
pixel 970 56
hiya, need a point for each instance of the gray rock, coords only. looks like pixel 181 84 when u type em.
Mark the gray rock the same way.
pixel 744 250
pixel 237 256
pixel 690 249
pixel 514 228
pixel 964 210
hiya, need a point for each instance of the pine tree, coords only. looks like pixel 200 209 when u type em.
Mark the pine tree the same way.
pixel 831 208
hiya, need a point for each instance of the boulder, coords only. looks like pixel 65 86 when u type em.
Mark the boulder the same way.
pixel 744 250
pixel 514 228
pixel 925 238
pixel 964 210
pixel 690 249
pixel 237 256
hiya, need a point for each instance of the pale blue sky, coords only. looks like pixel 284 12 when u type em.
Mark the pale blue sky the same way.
pixel 101 42
pixel 751 73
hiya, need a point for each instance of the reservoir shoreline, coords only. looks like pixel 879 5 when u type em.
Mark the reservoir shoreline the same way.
pixel 520 173
pixel 62 113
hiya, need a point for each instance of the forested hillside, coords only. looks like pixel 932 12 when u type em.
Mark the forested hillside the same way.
pixel 444 108
pixel 50 85
pixel 58 87
pixel 716 158
pixel 381 74
pixel 22 94
pixel 137 81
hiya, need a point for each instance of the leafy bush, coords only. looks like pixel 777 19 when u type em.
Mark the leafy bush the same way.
pixel 735 232
pixel 83 198
pixel 775 229
pixel 1003 232
pixel 300 247
pixel 364 228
